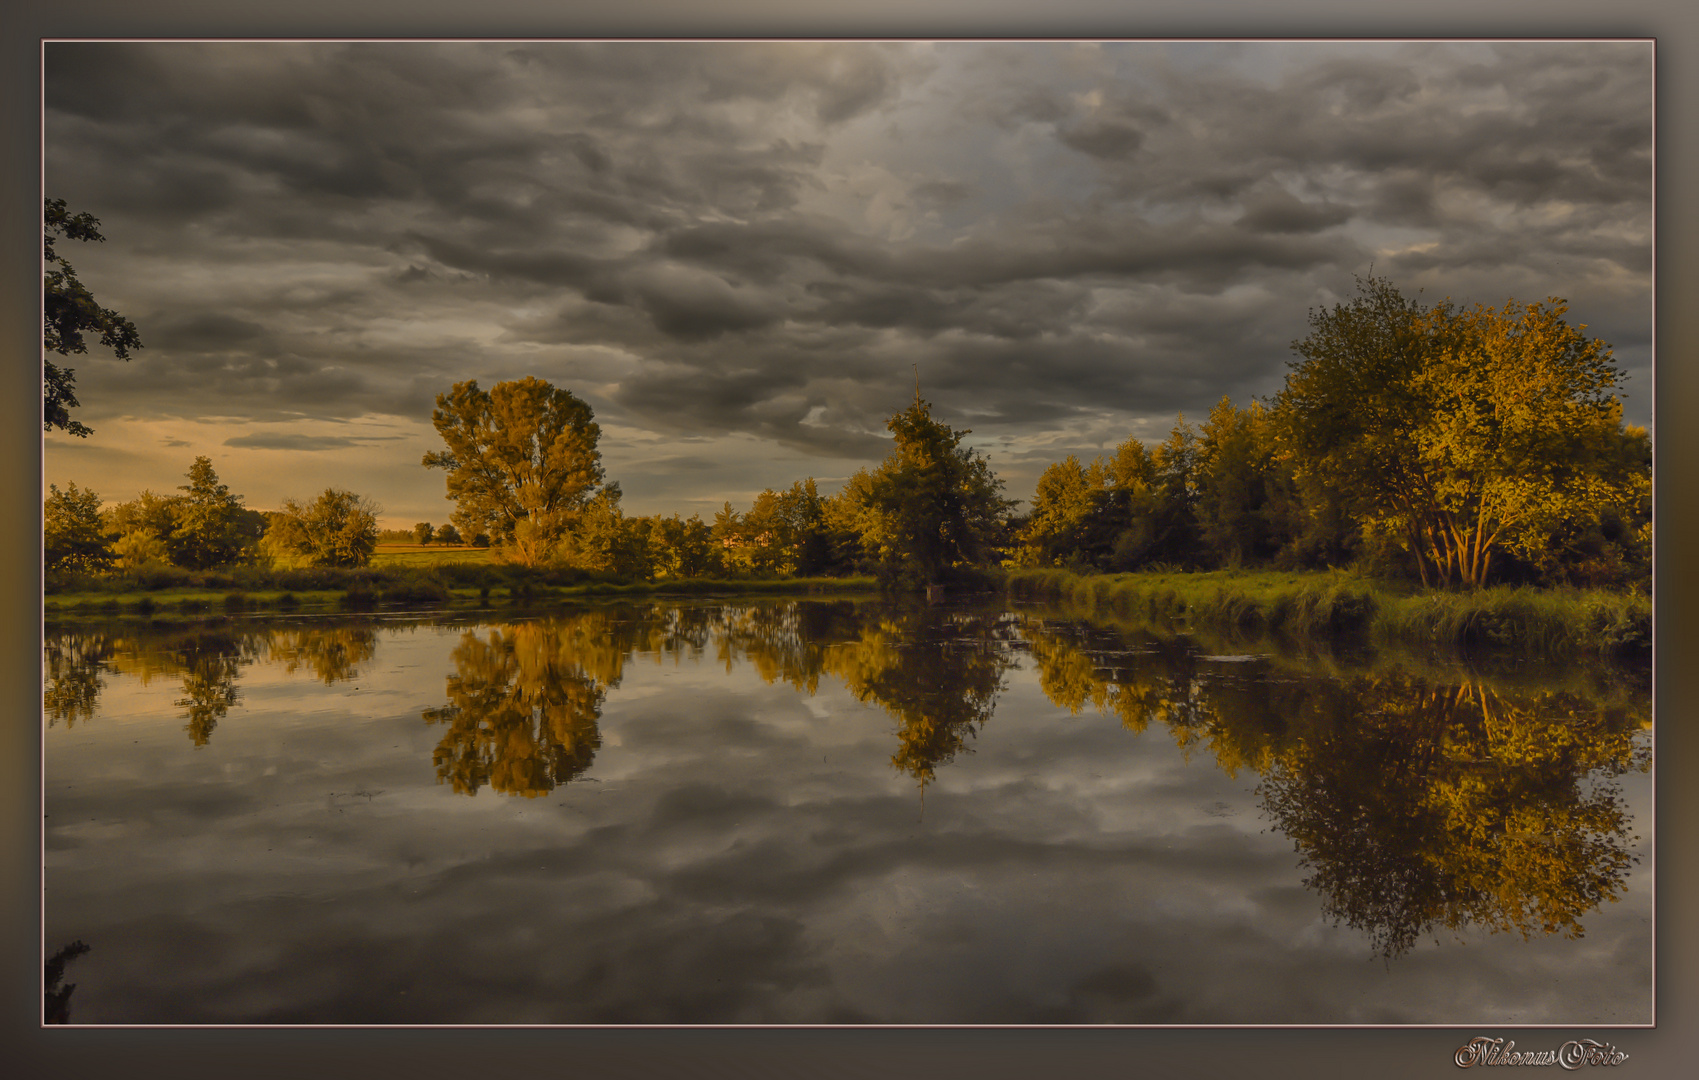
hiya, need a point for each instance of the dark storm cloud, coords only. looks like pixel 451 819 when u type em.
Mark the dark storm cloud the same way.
pixel 1278 212
pixel 762 238
pixel 1103 138
pixel 208 332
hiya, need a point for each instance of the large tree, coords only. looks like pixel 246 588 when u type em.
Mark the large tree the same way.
pixel 1461 433
pixel 68 312
pixel 522 462
pixel 210 521
pixel 936 505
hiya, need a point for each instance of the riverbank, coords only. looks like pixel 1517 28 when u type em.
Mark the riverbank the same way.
pixel 1338 606
pixel 198 595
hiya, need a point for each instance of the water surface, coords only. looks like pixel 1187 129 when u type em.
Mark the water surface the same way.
pixel 832 812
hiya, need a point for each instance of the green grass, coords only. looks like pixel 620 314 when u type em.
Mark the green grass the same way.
pixel 448 584
pixel 1337 605
pixel 415 555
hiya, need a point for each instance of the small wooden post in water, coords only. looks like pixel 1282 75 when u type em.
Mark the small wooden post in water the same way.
pixel 934 594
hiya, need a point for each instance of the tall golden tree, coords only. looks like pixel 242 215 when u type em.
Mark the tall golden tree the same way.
pixel 936 505
pixel 1464 433
pixel 522 462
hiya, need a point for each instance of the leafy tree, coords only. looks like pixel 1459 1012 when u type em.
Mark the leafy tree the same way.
pixel 422 532
pixel 522 462
pixel 139 548
pixel 1069 521
pixel 1613 546
pixel 1464 434
pixel 604 541
pixel 448 534
pixel 149 512
pixel 339 528
pixel 682 548
pixel 1131 507
pixel 1242 485
pixel 936 505
pixel 1524 437
pixel 1151 503
pixel 69 311
pixel 72 536
pixel 729 534
pixel 1175 464
pixel 209 520
pixel 784 532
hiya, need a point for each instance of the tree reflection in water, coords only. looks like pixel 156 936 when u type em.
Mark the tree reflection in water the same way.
pixel 71 682
pixel 56 998
pixel 208 662
pixel 939 677
pixel 1416 799
pixel 523 705
pixel 208 665
pixel 1416 802
pixel 525 700
pixel 1419 806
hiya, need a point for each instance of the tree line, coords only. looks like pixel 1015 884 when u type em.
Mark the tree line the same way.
pixel 204 527
pixel 524 469
pixel 1454 446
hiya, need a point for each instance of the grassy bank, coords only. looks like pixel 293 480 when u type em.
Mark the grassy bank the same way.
pixel 1338 606
pixel 390 556
pixel 170 592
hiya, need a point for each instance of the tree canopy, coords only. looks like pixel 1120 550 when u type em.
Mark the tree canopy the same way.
pixel 933 506
pixel 209 520
pixel 339 528
pixel 68 312
pixel 521 460
pixel 1463 432
pixel 1457 445
pixel 72 533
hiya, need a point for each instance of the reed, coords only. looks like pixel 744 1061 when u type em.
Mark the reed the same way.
pixel 1338 606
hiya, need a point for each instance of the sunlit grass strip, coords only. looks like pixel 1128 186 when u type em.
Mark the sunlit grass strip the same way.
pixel 399 556
pixel 1337 605
pixel 726 586
pixel 406 586
pixel 1545 622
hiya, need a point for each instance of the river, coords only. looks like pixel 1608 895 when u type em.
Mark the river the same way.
pixel 833 812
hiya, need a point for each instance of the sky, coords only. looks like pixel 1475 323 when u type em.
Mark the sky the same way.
pixel 743 254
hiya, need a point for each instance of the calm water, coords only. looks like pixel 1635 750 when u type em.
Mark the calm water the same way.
pixel 832 812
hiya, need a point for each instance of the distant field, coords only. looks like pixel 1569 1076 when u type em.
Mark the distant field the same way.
pixel 428 554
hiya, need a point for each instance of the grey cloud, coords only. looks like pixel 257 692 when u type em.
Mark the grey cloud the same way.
pixel 676 464
pixel 288 441
pixel 678 214
pixel 1112 139
pixel 206 332
pixel 1278 212
pixel 942 192
pixel 693 306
